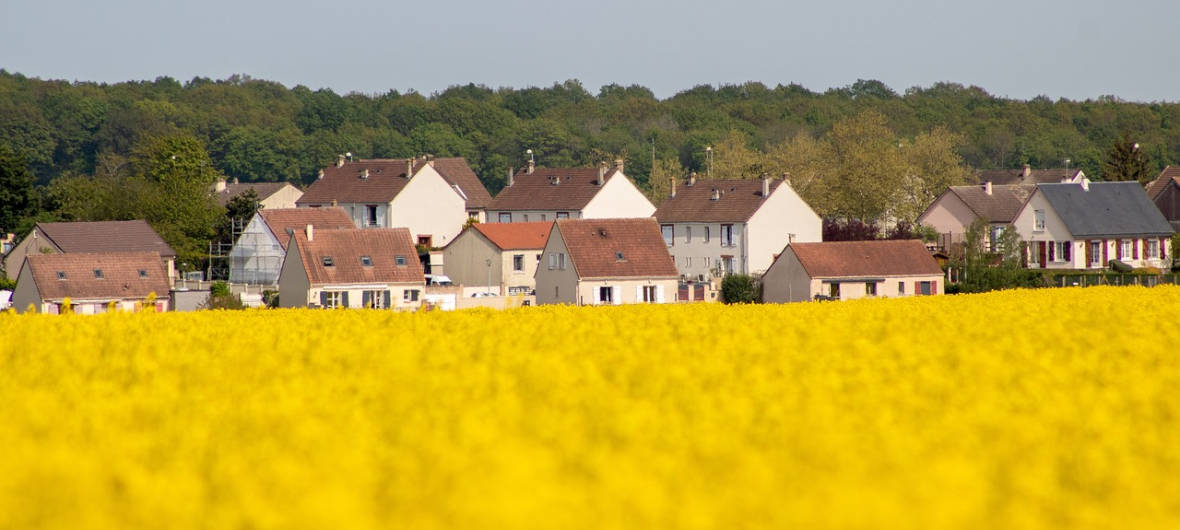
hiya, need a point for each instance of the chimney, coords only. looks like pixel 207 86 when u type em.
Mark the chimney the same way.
pixel 235 180
pixel 1085 184
pixel 716 195
pixel 786 178
pixel 692 179
pixel 987 187
pixel 364 174
pixel 672 188
pixel 532 166
pixel 765 185
pixel 510 176
pixel 310 232
pixel 219 186
pixel 340 161
pixel 601 173
pixel 429 159
pixel 320 175
pixel 619 164
pixel 334 203
pixel 1024 173
pixel 410 167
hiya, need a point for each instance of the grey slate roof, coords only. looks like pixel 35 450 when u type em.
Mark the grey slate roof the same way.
pixel 1108 209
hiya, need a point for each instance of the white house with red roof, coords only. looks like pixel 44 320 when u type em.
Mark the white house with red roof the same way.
pixel 606 262
pixel 355 268
pixel 547 194
pixel 844 270
pixel 500 258
pixel 93 282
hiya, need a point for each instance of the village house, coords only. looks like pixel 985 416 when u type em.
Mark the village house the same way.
pixel 1085 225
pixel 718 227
pixel 606 262
pixel 953 212
pixel 257 255
pixel 90 237
pixel 93 282
pixel 1164 191
pixel 845 270
pixel 356 268
pixel 547 194
pixel 433 197
pixel 271 195
pixel 500 258
pixel 1028 176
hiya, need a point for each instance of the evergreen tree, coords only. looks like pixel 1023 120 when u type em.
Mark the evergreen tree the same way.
pixel 1125 160
pixel 18 198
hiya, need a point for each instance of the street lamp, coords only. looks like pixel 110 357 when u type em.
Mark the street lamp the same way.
pixel 709 157
pixel 489 262
pixel 530 153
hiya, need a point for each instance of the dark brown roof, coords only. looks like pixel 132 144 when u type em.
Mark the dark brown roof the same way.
pixel 1016 176
pixel 121 277
pixel 594 246
pixel 834 259
pixel 516 236
pixel 262 189
pixel 737 201
pixel 279 220
pixel 345 248
pixel 550 189
pixel 387 177
pixel 1170 174
pixel 1000 207
pixel 106 236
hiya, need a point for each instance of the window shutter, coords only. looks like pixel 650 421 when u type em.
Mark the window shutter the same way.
pixel 1118 249
pixel 366 299
pixel 616 291
pixel 323 299
pixel 659 294
pixel 1052 245
pixel 1134 249
pixel 597 295
pixel 386 306
pixel 934 287
pixel 638 293
pixel 1042 253
pixel 344 299
pixel 917 288
pixel 1068 248
pixel 1104 254
pixel 1163 248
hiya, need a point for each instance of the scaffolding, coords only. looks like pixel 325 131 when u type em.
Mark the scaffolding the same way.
pixel 219 252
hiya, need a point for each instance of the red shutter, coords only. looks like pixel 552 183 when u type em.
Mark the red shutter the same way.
pixel 1051 244
pixel 1118 249
pixel 1103 264
pixel 1042 254
pixel 917 288
pixel 934 287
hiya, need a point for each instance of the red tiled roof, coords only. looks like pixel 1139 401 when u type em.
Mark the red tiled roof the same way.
pixel 1170 175
pixel 834 259
pixel 1016 176
pixel 551 189
pixel 345 248
pixel 387 177
pixel 1001 206
pixel 106 236
pixel 516 236
pixel 280 220
pixel 737 201
pixel 594 246
pixel 120 280
pixel 262 189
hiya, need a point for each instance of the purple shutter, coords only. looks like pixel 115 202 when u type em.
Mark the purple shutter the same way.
pixel 1042 253
pixel 1052 246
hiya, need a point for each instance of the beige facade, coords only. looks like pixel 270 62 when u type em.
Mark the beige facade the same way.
pixel 618 198
pixel 556 279
pixel 948 215
pixel 33 244
pixel 1082 253
pixel 529 216
pixel 788 281
pixel 558 282
pixel 27 295
pixel 475 262
pixel 285 197
pixel 295 290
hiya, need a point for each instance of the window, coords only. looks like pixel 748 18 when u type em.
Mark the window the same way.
pixel 688 261
pixel 98 273
pixel 542 217
pixel 900 287
pixel 688 234
pixel 1039 220
pixel 376 299
pixel 1153 249
pixel 870 288
pixel 834 290
pixel 619 256
pixel 400 261
pixel 669 233
pixel 61 275
pixel 706 234
pixel 332 299
pixel 327 261
pixel 727 235
pixel 505 217
pixel 561 261
pixel 410 295
pixel 1034 255
pixel 605 295
pixel 367 261
pixel 556 291
pixel 426 241
pixel 552 261
pixel 707 259
pixel 473 215
pixel 143 273
pixel 1095 253
pixel 371 215
pixel 526 217
pixel 518 262
pixel 560 215
pixel 727 264
pixel 925 288
pixel 649 293
pixel 1124 249
pixel 993 238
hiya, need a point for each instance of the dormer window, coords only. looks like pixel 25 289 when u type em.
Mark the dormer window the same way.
pixel 366 261
pixel 61 275
pixel 327 261
pixel 98 273
pixel 400 261
pixel 619 256
pixel 143 273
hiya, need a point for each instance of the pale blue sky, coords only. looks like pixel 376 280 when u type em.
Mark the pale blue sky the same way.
pixel 1020 49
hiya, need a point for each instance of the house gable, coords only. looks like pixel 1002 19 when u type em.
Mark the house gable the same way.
pixel 618 198
pixel 429 206
pixel 782 218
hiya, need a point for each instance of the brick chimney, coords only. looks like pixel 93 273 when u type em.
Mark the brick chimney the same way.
pixel 409 167
pixel 365 174
pixel 987 187
pixel 310 232
pixel 532 167
pixel 1026 172
pixel 765 185
pixel 340 161
pixel 619 164
pixel 672 188
pixel 692 179
pixel 601 173
pixel 511 177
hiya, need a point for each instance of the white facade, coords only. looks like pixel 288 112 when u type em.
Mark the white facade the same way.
pixel 296 290
pixel 1050 245
pixel 557 282
pixel 787 281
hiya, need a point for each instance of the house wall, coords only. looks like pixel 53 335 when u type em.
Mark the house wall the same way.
pixel 1168 201
pixel 1055 230
pixel 35 243
pixel 696 256
pixel 466 258
pixel 397 298
pixel 948 215
pixel 556 286
pixel 626 290
pixel 257 256
pixel 427 205
pixel 284 198
pixel 514 282
pixel 786 280
pixel 890 288
pixel 783 218
pixel 294 286
pixel 618 198
pixel 525 216
pixel 26 292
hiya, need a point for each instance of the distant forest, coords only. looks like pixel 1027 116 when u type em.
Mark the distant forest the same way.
pixel 258 130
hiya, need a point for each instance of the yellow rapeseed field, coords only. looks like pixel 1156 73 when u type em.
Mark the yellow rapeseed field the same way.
pixel 1025 409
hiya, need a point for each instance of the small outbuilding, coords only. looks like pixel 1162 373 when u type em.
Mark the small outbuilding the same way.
pixel 844 270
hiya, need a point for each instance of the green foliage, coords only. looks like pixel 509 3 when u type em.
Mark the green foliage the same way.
pixel 220 297
pixel 993 270
pixel 18 197
pixel 740 289
pixel 1125 160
